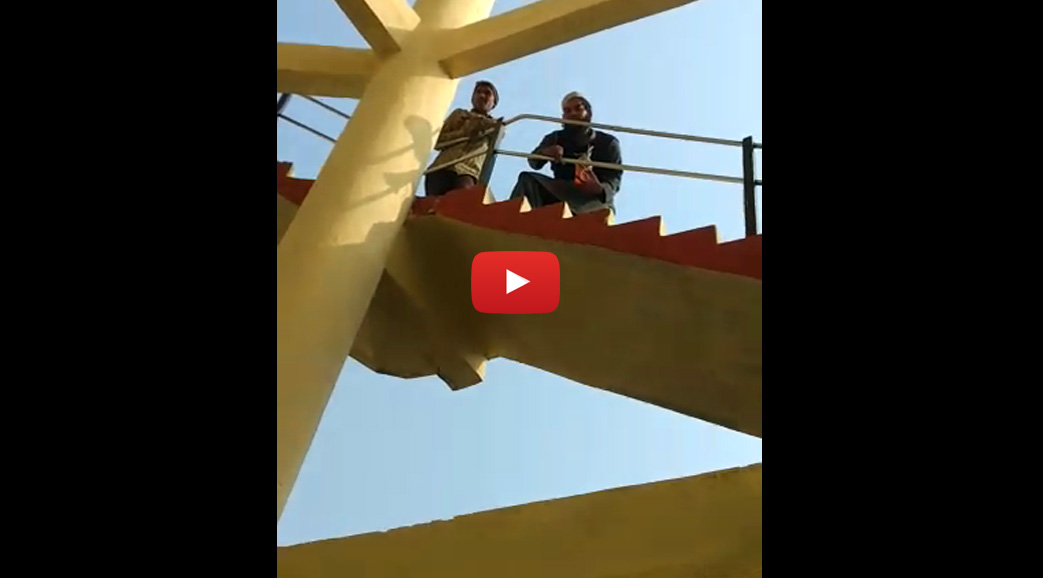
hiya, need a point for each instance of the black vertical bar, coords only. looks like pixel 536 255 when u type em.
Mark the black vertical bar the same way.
pixel 490 158
pixel 283 101
pixel 749 187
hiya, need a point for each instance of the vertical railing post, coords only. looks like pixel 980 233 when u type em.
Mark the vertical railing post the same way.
pixel 494 140
pixel 749 187
pixel 283 101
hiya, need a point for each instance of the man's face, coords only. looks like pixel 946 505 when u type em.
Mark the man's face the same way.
pixel 483 100
pixel 574 109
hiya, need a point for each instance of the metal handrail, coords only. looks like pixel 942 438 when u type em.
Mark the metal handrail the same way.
pixel 633 168
pixel 486 134
pixel 326 106
pixel 307 128
pixel 496 134
pixel 284 100
pixel 616 128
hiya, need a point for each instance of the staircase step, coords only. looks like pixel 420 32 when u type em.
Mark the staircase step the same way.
pixel 642 237
pixel 699 248
pixel 679 247
pixel 289 188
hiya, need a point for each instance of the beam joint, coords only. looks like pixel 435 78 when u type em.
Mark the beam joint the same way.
pixel 383 23
pixel 537 27
pixel 324 70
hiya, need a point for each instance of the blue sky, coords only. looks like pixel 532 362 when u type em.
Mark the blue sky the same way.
pixel 393 452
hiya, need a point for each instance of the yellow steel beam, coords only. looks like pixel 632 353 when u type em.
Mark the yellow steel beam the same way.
pixel 284 212
pixel 539 26
pixel 332 256
pixel 707 525
pixel 461 362
pixel 383 23
pixel 324 70
pixel 694 346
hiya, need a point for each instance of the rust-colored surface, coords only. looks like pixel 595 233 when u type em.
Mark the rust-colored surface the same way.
pixel 289 188
pixel 685 309
pixel 695 248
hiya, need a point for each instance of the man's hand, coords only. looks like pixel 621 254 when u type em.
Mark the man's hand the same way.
pixel 553 151
pixel 588 183
pixel 591 188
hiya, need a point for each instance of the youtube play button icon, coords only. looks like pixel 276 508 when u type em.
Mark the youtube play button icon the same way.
pixel 515 282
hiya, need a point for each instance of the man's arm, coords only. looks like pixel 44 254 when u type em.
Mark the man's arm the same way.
pixel 484 128
pixel 610 179
pixel 547 141
pixel 452 129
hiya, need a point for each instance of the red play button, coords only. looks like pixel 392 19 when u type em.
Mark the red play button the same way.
pixel 515 282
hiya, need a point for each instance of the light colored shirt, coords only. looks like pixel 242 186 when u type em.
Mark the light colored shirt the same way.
pixel 464 123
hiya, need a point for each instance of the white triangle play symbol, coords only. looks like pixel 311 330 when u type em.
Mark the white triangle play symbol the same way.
pixel 515 281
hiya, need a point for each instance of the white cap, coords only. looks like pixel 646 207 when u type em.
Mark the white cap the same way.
pixel 573 95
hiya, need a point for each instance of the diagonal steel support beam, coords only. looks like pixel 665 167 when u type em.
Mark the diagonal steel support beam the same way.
pixel 324 70
pixel 383 23
pixel 539 26
pixel 707 526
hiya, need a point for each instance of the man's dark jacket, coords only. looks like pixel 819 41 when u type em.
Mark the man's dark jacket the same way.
pixel 606 150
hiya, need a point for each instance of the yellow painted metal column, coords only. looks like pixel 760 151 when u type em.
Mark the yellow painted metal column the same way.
pixel 332 256
pixel 706 526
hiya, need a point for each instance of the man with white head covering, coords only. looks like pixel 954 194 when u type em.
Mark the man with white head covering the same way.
pixel 584 188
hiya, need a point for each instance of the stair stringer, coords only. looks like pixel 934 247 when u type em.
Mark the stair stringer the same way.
pixel 656 319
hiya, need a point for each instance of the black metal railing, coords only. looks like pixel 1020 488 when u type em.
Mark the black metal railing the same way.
pixel 749 180
pixel 284 100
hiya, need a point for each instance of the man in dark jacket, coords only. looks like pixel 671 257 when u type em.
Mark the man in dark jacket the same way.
pixel 584 188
